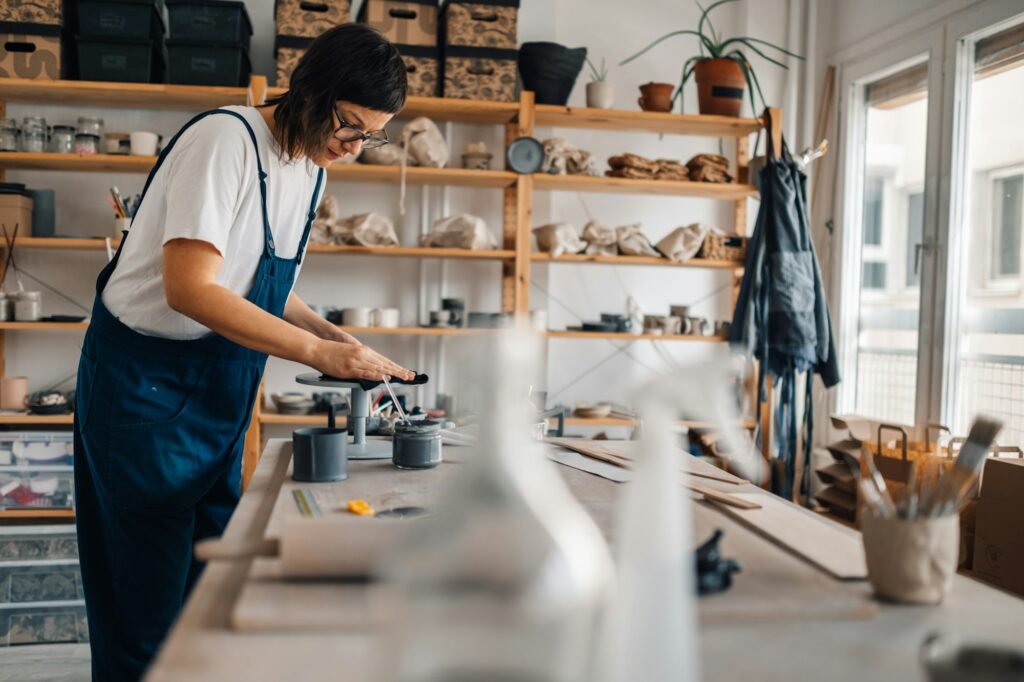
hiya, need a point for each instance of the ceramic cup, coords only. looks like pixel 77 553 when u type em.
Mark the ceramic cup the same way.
pixel 440 318
pixel 13 393
pixel 911 561
pixel 656 97
pixel 384 317
pixel 698 326
pixel 143 143
pixel 121 226
pixel 319 455
pixel 600 95
pixel 356 317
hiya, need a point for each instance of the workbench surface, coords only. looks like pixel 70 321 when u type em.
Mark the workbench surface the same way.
pixel 783 619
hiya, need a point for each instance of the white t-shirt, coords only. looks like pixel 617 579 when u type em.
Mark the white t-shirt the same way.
pixel 208 189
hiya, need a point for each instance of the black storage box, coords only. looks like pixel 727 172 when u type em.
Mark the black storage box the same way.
pixel 125 61
pixel 121 19
pixel 199 63
pixel 216 21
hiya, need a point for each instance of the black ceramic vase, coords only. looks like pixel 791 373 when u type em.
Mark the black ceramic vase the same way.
pixel 550 70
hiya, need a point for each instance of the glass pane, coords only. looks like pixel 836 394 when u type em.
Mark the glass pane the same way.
pixel 990 329
pixel 896 121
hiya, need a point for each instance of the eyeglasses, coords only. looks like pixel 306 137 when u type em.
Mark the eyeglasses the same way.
pixel 347 132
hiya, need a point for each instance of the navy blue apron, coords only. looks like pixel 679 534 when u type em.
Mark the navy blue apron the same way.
pixel 159 430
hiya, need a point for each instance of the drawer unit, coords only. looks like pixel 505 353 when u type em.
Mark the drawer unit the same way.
pixel 28 584
pixel 481 23
pixel 37 487
pixel 309 18
pixel 403 22
pixel 33 544
pixel 480 73
pixel 46 623
pixel 28 448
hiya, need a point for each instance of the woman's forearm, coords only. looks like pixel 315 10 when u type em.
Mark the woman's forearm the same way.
pixel 297 312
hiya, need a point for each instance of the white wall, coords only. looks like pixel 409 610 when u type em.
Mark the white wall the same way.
pixel 608 28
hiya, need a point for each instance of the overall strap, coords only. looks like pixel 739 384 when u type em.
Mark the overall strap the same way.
pixel 310 216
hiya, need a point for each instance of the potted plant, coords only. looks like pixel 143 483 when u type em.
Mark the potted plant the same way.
pixel 722 68
pixel 599 91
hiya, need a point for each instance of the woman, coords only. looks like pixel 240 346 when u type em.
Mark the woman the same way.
pixel 185 316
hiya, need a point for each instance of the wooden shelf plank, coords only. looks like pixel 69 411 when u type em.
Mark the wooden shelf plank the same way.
pixel 37 513
pixel 414 252
pixel 271 417
pixel 450 109
pixel 418 331
pixel 80 243
pixel 586 183
pixel 636 260
pixel 614 421
pixel 458 177
pixel 23 326
pixel 620 120
pixel 622 336
pixel 110 163
pixel 33 419
pixel 119 95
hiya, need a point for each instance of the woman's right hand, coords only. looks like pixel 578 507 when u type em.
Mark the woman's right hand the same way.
pixel 354 361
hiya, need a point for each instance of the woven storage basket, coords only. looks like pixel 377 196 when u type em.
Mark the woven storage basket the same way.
pixel 718 246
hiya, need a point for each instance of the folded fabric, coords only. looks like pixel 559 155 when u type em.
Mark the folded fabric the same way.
pixel 367 384
pixel 683 243
pixel 632 242
pixel 601 239
pixel 709 168
pixel 558 238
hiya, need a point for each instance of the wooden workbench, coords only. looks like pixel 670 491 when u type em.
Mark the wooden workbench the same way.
pixel 794 644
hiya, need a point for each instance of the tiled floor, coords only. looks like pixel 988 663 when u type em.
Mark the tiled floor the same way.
pixel 45 663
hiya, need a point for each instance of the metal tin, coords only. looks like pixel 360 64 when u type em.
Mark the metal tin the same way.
pixel 319 455
pixel 416 445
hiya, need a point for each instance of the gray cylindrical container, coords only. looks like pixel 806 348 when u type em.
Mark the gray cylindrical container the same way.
pixel 416 445
pixel 44 221
pixel 319 455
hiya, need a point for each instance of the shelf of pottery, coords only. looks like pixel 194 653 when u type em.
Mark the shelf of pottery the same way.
pixel 458 237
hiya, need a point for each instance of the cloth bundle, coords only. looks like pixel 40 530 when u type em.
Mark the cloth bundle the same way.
pixel 600 239
pixel 365 229
pixel 562 157
pixel 638 167
pixel 709 168
pixel 463 231
pixel 558 238
pixel 683 243
pixel 632 241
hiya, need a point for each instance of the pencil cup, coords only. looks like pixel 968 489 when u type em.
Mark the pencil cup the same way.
pixel 121 226
pixel 911 561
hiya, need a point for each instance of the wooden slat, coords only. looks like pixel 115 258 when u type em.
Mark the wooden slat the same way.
pixel 271 417
pixel 120 95
pixel 23 326
pixel 617 120
pixel 614 421
pixel 446 109
pixel 622 336
pixel 583 183
pixel 634 260
pixel 85 243
pixel 50 514
pixel 111 163
pixel 32 419
pixel 417 331
pixel 415 252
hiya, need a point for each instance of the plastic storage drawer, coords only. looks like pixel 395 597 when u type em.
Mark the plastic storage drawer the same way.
pixel 27 584
pixel 41 487
pixel 37 543
pixel 123 61
pixel 119 19
pixel 36 448
pixel 43 624
pixel 192 63
pixel 217 21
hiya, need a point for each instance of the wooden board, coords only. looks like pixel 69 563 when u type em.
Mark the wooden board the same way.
pixel 835 550
pixel 636 260
pixel 726 191
pixel 629 338
pixel 625 452
pixel 414 252
pixel 620 120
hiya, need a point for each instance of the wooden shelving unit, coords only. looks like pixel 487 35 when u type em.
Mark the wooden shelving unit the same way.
pixel 608 422
pixel 518 119
pixel 272 417
pixel 627 338
pixel 418 331
pixel 26 419
pixel 49 514
pixel 636 260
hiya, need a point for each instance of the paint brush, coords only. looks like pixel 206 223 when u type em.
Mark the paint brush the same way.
pixel 955 483
pixel 886 506
pixel 394 400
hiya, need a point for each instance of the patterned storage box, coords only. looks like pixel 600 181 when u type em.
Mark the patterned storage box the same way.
pixel 309 18
pixel 403 22
pixel 480 73
pixel 423 69
pixel 30 51
pixel 31 12
pixel 287 52
pixel 480 23
pixel 43 625
pixel 40 583
pixel 723 247
pixel 32 543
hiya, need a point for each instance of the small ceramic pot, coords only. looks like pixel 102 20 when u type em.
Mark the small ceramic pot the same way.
pixel 600 95
pixel 356 317
pixel 656 97
pixel 384 317
pixel 477 161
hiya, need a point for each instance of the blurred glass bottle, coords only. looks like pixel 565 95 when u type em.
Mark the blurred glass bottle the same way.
pixel 506 581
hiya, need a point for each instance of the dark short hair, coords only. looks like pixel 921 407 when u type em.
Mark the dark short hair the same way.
pixel 351 62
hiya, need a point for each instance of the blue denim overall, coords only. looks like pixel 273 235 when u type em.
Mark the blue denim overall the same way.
pixel 159 429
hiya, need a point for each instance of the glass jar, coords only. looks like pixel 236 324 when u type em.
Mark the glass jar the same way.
pixel 33 140
pixel 62 140
pixel 90 126
pixel 9 135
pixel 6 305
pixel 86 143
pixel 28 306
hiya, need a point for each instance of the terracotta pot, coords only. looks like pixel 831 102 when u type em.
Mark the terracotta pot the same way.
pixel 720 86
pixel 656 97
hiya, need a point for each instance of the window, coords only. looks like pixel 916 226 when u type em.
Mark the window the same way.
pixel 874 275
pixel 915 235
pixel 874 188
pixel 1008 213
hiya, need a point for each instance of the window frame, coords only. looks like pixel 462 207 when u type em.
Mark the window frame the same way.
pixel 1003 284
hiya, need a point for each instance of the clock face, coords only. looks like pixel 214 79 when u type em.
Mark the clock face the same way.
pixel 526 155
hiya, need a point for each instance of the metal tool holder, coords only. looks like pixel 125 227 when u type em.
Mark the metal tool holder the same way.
pixel 358 447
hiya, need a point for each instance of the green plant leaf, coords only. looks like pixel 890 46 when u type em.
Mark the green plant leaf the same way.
pixel 748 40
pixel 737 57
pixel 688 67
pixel 764 56
pixel 598 74
pixel 753 76
pixel 705 42
pixel 705 15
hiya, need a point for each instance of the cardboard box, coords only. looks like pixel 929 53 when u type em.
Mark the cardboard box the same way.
pixel 30 51
pixel 480 73
pixel 403 22
pixel 999 535
pixel 423 69
pixel 32 12
pixel 481 23
pixel 287 53
pixel 309 18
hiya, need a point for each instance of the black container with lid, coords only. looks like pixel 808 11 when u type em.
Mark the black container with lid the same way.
pixel 119 19
pixel 193 62
pixel 416 445
pixel 216 21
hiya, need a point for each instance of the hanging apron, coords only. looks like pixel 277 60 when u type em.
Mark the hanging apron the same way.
pixel 159 429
